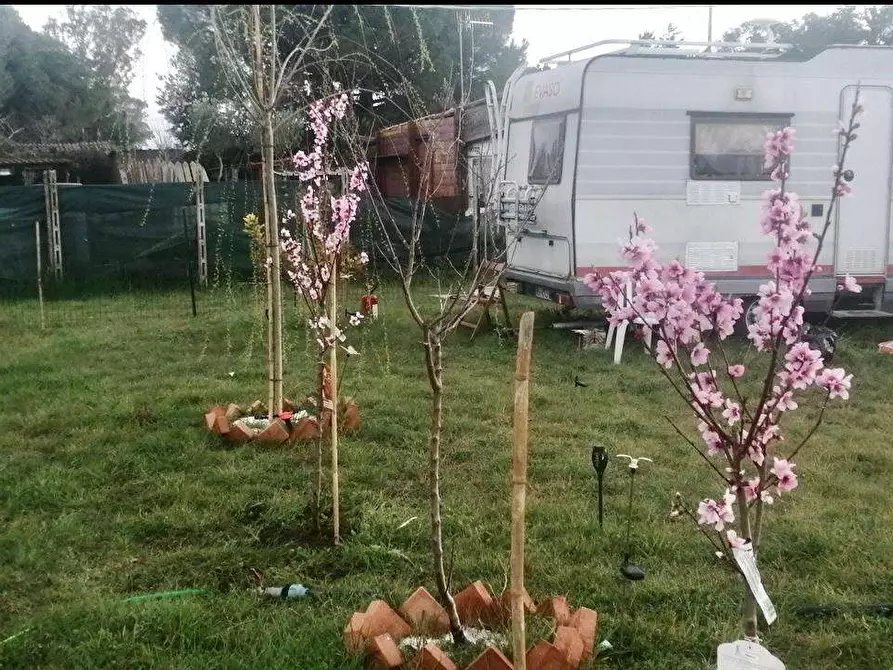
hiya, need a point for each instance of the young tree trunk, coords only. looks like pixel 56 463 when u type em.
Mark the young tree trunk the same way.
pixel 333 371
pixel 749 620
pixel 320 393
pixel 274 275
pixel 434 365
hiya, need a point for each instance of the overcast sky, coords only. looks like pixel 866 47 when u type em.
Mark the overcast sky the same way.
pixel 548 30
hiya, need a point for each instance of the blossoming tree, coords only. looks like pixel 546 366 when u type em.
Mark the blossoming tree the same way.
pixel 316 253
pixel 739 420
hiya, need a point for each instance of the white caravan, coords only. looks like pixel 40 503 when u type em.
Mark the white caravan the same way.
pixel 677 137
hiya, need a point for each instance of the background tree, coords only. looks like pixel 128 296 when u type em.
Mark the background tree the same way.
pixel 382 51
pixel 812 33
pixel 105 40
pixel 246 39
pixel 672 34
pixel 45 91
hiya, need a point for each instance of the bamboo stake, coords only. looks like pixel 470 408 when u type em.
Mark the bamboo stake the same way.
pixel 266 171
pixel 39 275
pixel 333 371
pixel 519 486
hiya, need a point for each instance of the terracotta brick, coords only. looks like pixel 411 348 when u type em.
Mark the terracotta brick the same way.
pixel 568 642
pixel 287 405
pixel 221 425
pixel 257 406
pixel 275 432
pixel 350 417
pixel 304 430
pixel 545 656
pixel 432 657
pixel 380 618
pixel 233 412
pixel 491 659
pixel 384 653
pixel 211 417
pixel 585 621
pixel 475 603
pixel 505 600
pixel 557 609
pixel 355 639
pixel 424 613
pixel 238 433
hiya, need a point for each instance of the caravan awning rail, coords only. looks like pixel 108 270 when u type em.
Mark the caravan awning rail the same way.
pixel 741 49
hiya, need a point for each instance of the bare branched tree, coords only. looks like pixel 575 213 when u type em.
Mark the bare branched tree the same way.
pixel 7 132
pixel 247 39
pixel 461 285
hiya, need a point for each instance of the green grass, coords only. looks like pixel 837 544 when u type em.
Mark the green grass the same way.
pixel 110 487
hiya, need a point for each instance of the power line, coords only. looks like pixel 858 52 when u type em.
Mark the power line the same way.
pixel 545 8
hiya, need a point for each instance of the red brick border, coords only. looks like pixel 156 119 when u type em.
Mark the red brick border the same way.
pixel 222 422
pixel 377 632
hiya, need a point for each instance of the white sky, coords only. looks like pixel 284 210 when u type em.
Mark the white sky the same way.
pixel 547 28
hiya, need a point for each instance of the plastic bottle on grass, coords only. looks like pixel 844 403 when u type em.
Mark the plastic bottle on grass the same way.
pixel 288 591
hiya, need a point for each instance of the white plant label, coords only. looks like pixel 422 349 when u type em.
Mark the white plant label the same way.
pixel 744 655
pixel 748 564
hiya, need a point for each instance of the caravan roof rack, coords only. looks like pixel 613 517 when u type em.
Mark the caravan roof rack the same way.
pixel 742 49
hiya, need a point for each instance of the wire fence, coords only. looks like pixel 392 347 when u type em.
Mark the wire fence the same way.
pixel 133 251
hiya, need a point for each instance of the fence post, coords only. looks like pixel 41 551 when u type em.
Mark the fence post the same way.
pixel 43 322
pixel 200 237
pixel 54 236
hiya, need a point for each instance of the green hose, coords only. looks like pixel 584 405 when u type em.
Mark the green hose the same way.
pixel 163 594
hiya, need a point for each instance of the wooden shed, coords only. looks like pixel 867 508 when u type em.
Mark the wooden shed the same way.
pixel 401 154
pixel 87 162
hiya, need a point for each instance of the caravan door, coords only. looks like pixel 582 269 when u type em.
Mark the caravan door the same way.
pixel 863 220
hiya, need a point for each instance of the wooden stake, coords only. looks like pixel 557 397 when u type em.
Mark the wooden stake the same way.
pixel 333 371
pixel 39 275
pixel 519 486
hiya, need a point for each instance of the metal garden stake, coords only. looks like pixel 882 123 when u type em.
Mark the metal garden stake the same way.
pixel 630 570
pixel 600 462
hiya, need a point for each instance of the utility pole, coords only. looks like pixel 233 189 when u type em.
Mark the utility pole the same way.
pixel 710 23
pixel 460 21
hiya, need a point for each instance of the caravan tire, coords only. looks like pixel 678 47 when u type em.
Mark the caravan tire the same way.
pixel 747 319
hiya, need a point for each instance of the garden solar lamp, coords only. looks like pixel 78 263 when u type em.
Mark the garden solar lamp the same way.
pixel 600 462
pixel 630 570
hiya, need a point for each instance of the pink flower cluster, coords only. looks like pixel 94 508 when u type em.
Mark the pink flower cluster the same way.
pixel 323 225
pixel 689 319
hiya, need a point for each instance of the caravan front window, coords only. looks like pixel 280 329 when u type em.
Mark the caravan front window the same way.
pixel 546 150
pixel 730 146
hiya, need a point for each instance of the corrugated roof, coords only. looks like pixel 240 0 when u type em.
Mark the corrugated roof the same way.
pixel 50 153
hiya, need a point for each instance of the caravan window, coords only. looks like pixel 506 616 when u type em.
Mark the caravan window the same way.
pixel 546 150
pixel 730 146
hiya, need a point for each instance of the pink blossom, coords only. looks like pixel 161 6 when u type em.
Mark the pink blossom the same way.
pixel 716 514
pixel 732 412
pixel 699 354
pixel 638 250
pixel 836 381
pixel 784 401
pixel 641 226
pixel 802 365
pixel 734 541
pixel 784 471
pixel 750 489
pixel 736 371
pixel 311 273
pixel 664 355
pixel 685 310
pixel 850 284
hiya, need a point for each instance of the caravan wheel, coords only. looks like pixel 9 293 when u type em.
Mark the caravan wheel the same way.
pixel 748 318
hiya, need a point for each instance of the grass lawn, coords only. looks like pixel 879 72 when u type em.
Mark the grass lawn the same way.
pixel 110 487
